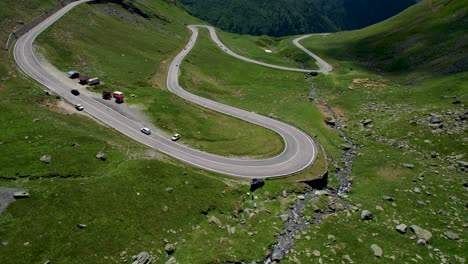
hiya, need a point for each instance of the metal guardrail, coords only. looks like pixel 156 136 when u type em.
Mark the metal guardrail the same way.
pixel 28 26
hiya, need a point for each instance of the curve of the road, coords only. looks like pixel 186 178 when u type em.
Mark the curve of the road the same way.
pixel 300 150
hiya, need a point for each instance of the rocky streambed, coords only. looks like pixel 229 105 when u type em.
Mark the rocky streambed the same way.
pixel 296 217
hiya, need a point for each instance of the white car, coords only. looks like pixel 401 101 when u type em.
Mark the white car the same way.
pixel 175 137
pixel 146 130
pixel 79 107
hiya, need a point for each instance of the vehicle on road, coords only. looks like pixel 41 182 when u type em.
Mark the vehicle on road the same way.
pixel 175 137
pixel 146 130
pixel 79 107
pixel 75 92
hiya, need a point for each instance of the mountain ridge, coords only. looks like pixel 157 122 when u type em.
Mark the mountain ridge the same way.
pixel 283 17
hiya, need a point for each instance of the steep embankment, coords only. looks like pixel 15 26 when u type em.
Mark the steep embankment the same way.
pixel 286 17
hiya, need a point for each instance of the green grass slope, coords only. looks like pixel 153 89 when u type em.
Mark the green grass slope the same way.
pixel 429 37
pixel 131 52
pixel 399 73
pixel 122 200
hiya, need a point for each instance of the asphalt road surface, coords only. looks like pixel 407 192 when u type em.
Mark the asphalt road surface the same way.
pixel 300 150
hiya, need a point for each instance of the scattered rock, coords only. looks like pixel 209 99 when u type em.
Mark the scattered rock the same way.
pixel 81 226
pixel 284 217
pixel 214 220
pixel 421 233
pixel 75 145
pixel 172 260
pixel 435 119
pixel 101 156
pixel 417 190
pixel 46 159
pixel 462 163
pixel 388 198
pixel 169 189
pixel 408 165
pixel 141 258
pixel 377 250
pixel 401 228
pixel 20 195
pixel 366 122
pixel 301 197
pixel 366 215
pixel 421 203
pixel 451 235
pixel 421 242
pixel 379 208
pixel 316 253
pixel 169 248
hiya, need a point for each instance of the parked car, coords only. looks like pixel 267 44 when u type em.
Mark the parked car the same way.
pixel 146 130
pixel 79 107
pixel 75 92
pixel 175 137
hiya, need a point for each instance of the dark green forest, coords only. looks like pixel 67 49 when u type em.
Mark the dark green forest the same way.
pixel 291 17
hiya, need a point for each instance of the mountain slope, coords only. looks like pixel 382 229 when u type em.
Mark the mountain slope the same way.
pixel 286 17
pixel 429 36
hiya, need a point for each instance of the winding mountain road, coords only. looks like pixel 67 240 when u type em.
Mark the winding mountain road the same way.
pixel 300 150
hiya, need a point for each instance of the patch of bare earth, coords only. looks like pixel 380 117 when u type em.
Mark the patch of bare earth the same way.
pixel 366 83
pixel 389 173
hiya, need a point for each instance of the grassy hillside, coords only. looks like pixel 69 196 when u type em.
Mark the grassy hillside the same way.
pixel 430 37
pixel 131 53
pixel 400 74
pixel 124 201
pixel 291 17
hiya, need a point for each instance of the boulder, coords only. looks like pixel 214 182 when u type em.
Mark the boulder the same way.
pixel 388 198
pixel 45 158
pixel 366 122
pixel 408 165
pixel 366 215
pixel 401 228
pixel 169 248
pixel 169 189
pixel 435 119
pixel 172 260
pixel 214 220
pixel 421 233
pixel 377 250
pixel 101 156
pixel 301 197
pixel 462 163
pixel 21 195
pixel 451 235
pixel 141 258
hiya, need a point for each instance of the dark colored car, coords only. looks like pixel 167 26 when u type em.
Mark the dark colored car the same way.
pixel 75 92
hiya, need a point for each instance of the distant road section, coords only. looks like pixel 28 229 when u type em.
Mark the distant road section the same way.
pixel 300 150
pixel 324 66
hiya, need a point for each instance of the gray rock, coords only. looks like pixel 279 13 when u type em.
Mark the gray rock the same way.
pixel 377 250
pixel 172 260
pixel 421 203
pixel 47 262
pixel 214 220
pixel 462 163
pixel 408 165
pixel 81 226
pixel 45 158
pixel 421 242
pixel 284 217
pixel 101 156
pixel 20 195
pixel 421 233
pixel 388 198
pixel 169 189
pixel 401 228
pixel 417 190
pixel 169 248
pixel 366 122
pixel 301 197
pixel 316 253
pixel 435 119
pixel 141 258
pixel 366 215
pixel 451 235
